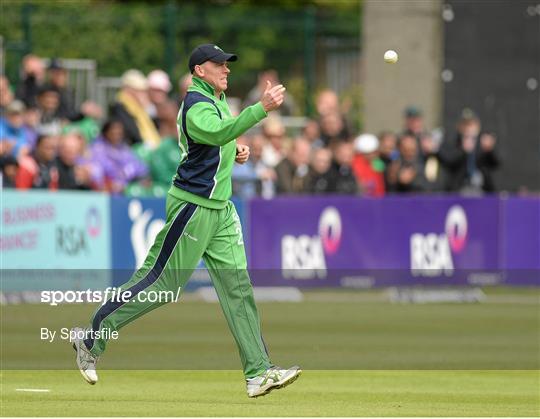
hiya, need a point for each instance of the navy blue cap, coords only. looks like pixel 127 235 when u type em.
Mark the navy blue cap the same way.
pixel 56 64
pixel 209 52
pixel 412 112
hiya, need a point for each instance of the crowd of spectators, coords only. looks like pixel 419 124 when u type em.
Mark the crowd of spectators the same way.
pixel 48 142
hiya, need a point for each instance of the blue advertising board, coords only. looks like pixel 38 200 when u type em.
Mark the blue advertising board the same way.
pixel 135 225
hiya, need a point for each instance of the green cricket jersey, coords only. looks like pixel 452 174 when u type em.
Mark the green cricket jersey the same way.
pixel 207 135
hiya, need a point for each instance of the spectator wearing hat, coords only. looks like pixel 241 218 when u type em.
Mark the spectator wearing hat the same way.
pixel 367 166
pixel 13 141
pixel 471 157
pixel 32 78
pixel 413 120
pixel 58 78
pixel 38 170
pixel 130 109
pixel 118 162
pixel 159 87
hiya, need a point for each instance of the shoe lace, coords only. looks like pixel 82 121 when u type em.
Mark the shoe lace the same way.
pixel 89 358
pixel 272 373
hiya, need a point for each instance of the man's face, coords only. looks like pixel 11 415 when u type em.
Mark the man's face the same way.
pixel 49 101
pixel 344 153
pixel 301 152
pixel 32 117
pixel 214 73
pixel 408 147
pixel 322 158
pixel 414 124
pixel 470 128
pixel 58 77
pixel 387 144
pixel 15 119
pixel 332 124
pixel 34 66
pixel 70 148
pixel 327 102
pixel 115 133
pixel 157 96
pixel 46 150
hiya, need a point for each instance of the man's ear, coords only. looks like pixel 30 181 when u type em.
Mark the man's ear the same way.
pixel 199 71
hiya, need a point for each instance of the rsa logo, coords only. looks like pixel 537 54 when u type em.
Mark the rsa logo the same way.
pixel 304 256
pixel 73 240
pixel 431 254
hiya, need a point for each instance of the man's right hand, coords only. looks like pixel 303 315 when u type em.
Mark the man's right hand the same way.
pixel 272 97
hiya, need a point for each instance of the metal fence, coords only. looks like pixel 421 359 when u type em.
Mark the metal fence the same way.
pixel 82 75
pixel 106 89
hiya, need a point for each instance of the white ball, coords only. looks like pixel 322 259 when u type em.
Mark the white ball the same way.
pixel 390 56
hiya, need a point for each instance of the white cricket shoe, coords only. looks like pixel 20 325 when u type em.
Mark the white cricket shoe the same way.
pixel 86 361
pixel 271 379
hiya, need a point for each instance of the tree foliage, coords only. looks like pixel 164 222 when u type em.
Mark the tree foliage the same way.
pixel 280 34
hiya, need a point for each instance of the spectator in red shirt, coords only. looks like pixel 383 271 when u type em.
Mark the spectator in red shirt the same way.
pixel 367 166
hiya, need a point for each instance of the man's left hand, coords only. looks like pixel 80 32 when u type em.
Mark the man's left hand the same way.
pixel 242 153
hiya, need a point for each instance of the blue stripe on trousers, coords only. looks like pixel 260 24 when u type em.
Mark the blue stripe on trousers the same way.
pixel 169 243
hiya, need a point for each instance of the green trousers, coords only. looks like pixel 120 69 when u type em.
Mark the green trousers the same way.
pixel 192 232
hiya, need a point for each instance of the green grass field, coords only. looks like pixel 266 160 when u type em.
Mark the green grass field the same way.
pixel 316 393
pixel 361 355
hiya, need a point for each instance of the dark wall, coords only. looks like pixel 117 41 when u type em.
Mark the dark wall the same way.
pixel 492 49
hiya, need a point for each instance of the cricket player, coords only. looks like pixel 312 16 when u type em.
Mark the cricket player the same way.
pixel 201 223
